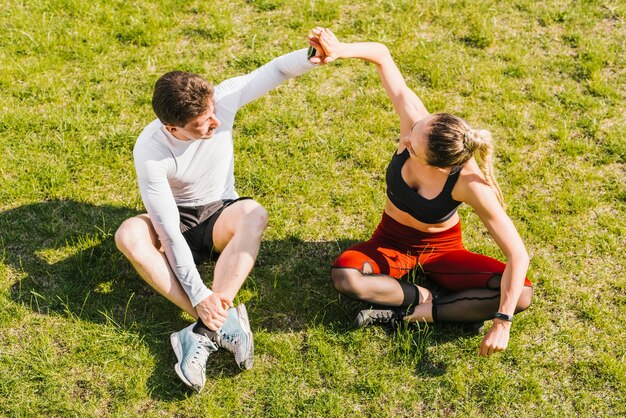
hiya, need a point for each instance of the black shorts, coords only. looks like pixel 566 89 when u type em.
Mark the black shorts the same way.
pixel 197 223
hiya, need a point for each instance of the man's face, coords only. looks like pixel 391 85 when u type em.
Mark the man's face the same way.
pixel 201 127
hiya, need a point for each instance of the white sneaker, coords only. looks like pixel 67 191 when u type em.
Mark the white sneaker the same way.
pixel 192 351
pixel 235 336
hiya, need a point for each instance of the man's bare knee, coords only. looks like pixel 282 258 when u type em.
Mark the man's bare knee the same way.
pixel 245 218
pixel 255 220
pixel 123 235
pixel 132 234
pixel 261 217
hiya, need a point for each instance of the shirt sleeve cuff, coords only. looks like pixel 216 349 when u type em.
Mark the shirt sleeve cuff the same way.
pixel 204 293
pixel 305 53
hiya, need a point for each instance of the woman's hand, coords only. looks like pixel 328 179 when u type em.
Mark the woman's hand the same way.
pixel 327 45
pixel 496 339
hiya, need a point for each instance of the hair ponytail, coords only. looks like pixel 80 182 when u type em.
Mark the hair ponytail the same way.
pixel 479 143
pixel 452 142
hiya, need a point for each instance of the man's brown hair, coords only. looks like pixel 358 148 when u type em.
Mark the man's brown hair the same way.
pixel 180 96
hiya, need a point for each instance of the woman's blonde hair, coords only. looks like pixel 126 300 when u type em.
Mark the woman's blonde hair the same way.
pixel 452 142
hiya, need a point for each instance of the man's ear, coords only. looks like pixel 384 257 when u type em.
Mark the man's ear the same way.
pixel 170 128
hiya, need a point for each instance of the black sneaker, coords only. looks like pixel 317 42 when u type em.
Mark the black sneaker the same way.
pixel 386 316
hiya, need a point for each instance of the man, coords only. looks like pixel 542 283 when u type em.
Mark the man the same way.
pixel 185 169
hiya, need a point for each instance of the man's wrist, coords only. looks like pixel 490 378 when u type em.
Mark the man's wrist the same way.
pixel 203 296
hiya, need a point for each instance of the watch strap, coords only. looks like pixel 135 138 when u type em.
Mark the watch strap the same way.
pixel 504 317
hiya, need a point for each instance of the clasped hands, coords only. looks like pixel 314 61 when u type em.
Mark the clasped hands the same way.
pixel 326 44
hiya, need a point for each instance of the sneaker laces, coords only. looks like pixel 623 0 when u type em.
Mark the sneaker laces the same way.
pixel 203 349
pixel 386 316
pixel 383 315
pixel 228 339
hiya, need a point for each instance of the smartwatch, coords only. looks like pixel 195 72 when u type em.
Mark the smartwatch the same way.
pixel 504 317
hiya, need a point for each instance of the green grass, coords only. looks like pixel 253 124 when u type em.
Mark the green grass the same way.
pixel 82 335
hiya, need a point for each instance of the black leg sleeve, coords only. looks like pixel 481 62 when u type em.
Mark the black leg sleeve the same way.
pixel 411 294
pixel 466 306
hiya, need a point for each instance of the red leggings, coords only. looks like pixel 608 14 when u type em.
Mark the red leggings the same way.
pixel 396 249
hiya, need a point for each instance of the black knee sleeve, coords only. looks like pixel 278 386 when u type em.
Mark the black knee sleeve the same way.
pixel 411 294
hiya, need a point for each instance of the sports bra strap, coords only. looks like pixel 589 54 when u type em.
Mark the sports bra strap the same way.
pixel 452 179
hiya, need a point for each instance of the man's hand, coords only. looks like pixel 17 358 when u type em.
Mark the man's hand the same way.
pixel 327 45
pixel 212 310
pixel 496 339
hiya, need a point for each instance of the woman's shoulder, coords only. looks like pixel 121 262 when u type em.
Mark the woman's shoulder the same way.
pixel 471 181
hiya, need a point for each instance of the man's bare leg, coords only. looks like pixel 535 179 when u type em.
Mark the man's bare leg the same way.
pixel 237 236
pixel 138 241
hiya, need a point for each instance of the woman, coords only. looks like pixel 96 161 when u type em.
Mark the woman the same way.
pixel 434 170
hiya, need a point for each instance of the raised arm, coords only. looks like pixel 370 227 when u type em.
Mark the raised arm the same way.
pixel 405 102
pixel 238 91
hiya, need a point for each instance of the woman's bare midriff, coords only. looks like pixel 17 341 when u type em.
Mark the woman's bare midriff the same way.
pixel 406 219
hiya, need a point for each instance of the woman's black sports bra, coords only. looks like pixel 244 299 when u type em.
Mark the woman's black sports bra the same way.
pixel 429 211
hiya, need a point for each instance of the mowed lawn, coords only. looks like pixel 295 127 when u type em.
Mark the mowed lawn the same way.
pixel 82 335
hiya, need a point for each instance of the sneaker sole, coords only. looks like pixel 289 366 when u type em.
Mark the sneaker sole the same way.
pixel 242 313
pixel 178 350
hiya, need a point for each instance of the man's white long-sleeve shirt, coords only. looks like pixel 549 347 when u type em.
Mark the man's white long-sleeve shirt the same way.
pixel 175 173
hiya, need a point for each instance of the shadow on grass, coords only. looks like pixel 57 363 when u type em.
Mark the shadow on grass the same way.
pixel 65 255
pixel 65 252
